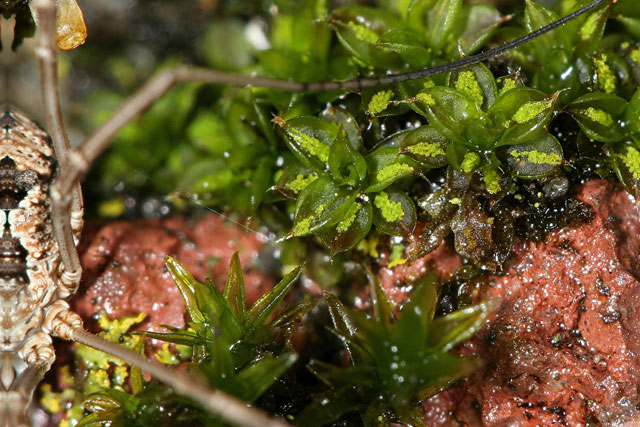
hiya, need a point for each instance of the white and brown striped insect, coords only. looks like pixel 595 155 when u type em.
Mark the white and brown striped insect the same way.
pixel 41 213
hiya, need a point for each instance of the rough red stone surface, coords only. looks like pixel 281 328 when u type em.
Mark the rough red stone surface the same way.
pixel 125 274
pixel 444 261
pixel 564 346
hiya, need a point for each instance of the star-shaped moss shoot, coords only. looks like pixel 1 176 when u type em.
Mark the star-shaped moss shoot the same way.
pixel 239 350
pixel 395 362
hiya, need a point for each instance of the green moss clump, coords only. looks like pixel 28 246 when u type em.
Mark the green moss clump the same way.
pixel 391 211
pixel 309 143
pixel 589 26
pixel 530 110
pixel 349 218
pixel 599 116
pixel 491 180
pixel 426 98
pixel 427 149
pixel 393 170
pixel 632 161
pixel 301 182
pixel 379 102
pixel 363 33
pixel 468 84
pixel 470 161
pixel 606 78
pixel 538 157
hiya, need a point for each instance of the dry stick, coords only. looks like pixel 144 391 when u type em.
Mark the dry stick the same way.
pixel 163 82
pixel 230 408
pixel 48 65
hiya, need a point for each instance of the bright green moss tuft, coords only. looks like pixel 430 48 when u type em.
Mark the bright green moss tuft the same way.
pixel 508 84
pixel 632 161
pixel 301 182
pixel 396 257
pixel 363 33
pixel 589 26
pixel 426 98
pixel 426 149
pixel 599 116
pixel 635 55
pixel 468 85
pixel 393 170
pixel 491 179
pixel 538 157
pixel 470 161
pixel 429 84
pixel 309 143
pixel 301 227
pixel 531 109
pixel 379 102
pixel 391 211
pixel 349 218
pixel 606 78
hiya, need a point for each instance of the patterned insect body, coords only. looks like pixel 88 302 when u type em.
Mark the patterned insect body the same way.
pixel 31 292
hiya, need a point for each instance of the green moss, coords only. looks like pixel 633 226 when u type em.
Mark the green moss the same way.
pixel 635 55
pixel 379 102
pixel 426 149
pixel 348 218
pixel 309 143
pixel 538 157
pixel 103 370
pixel 397 256
pixel 599 116
pixel 301 227
pixel 632 161
pixel 393 170
pixel 468 85
pixel 606 78
pixel 428 84
pixel 470 161
pixel 363 33
pixel 491 179
pixel 391 211
pixel 426 98
pixel 531 109
pixel 508 84
pixel 166 356
pixel 589 26
pixel 301 182
pixel 103 367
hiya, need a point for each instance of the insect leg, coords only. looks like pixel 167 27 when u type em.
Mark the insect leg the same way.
pixel 67 221
pixel 215 401
pixel 16 400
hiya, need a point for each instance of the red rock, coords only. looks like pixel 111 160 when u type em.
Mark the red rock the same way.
pixel 125 274
pixel 563 348
pixel 443 261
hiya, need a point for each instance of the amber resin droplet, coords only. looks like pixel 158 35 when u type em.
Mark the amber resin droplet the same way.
pixel 71 30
